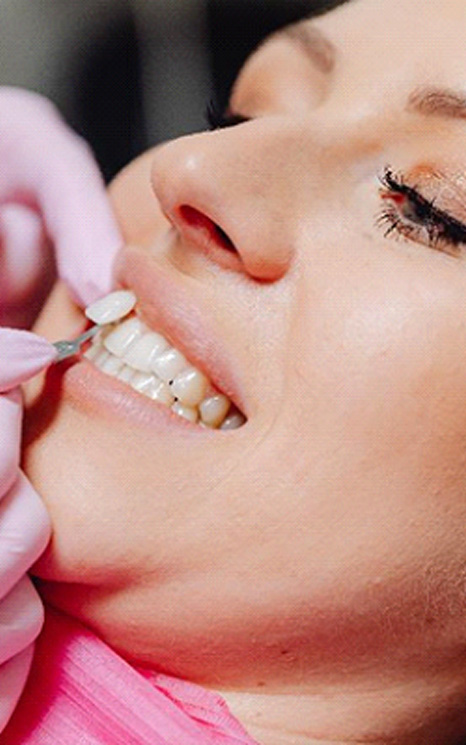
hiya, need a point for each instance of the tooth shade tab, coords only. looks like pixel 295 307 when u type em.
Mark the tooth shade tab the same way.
pixel 112 307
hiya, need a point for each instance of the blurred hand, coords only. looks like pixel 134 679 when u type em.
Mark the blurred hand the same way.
pixel 24 522
pixel 51 192
pixel 51 196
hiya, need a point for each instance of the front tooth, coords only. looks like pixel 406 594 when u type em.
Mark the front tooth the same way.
pixel 234 421
pixel 169 364
pixel 187 412
pixel 190 386
pixel 111 307
pixel 144 351
pixel 123 336
pixel 213 410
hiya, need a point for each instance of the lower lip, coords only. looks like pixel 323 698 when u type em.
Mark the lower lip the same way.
pixel 87 388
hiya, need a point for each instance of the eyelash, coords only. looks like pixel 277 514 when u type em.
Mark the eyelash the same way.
pixel 442 229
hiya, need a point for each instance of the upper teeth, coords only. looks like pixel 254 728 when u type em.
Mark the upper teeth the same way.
pixel 130 351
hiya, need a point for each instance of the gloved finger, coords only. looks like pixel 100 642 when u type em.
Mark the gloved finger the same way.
pixel 26 266
pixel 21 618
pixel 22 355
pixel 25 531
pixel 11 409
pixel 55 169
pixel 80 221
pixel 13 676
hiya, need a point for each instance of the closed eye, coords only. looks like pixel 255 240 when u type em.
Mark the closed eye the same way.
pixel 408 213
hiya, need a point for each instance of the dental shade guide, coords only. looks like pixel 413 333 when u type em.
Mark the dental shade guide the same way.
pixel 108 309
pixel 67 349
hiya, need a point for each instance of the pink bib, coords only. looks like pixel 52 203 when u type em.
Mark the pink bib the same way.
pixel 81 692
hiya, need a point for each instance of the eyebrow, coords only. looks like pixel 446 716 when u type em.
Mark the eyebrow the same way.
pixel 432 101
pixel 425 100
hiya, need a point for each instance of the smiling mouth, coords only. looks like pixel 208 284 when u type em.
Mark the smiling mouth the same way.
pixel 127 349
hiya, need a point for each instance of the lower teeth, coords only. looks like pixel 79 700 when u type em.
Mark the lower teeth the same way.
pixel 215 411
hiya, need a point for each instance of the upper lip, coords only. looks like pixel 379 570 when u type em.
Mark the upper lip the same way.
pixel 165 307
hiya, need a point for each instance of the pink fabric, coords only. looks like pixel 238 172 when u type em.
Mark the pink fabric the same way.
pixel 81 692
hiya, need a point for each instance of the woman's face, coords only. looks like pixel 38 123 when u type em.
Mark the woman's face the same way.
pixel 326 534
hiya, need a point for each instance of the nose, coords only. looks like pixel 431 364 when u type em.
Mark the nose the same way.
pixel 224 193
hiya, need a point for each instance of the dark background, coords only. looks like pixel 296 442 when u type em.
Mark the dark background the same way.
pixel 127 74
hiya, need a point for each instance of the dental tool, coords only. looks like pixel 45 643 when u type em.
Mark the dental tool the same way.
pixel 67 349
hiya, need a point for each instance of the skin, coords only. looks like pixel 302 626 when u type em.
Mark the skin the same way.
pixel 311 566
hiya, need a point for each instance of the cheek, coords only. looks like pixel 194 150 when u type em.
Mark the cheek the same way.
pixel 408 378
pixel 384 383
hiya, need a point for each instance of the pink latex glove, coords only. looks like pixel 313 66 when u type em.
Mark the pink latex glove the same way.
pixel 48 174
pixel 51 191
pixel 24 521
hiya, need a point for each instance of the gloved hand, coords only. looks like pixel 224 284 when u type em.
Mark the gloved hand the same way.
pixel 49 186
pixel 24 521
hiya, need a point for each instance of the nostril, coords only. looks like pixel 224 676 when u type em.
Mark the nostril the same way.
pixel 224 237
pixel 196 219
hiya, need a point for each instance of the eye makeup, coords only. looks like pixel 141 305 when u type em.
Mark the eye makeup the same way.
pixel 409 213
pixel 407 210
